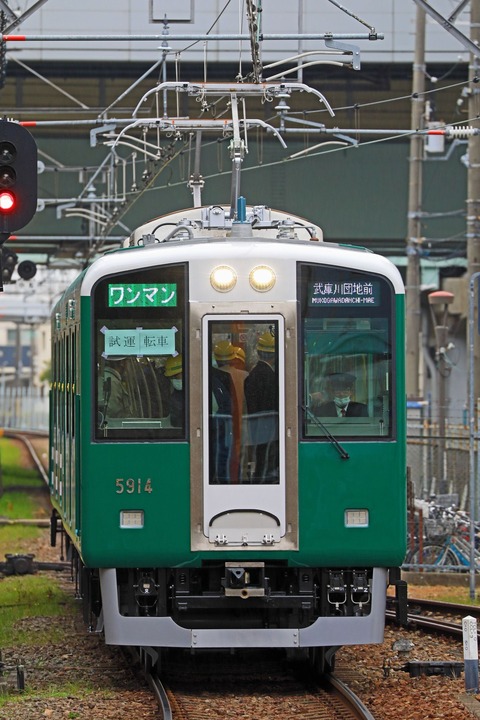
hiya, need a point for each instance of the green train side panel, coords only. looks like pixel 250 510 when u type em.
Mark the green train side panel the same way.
pixel 372 479
pixel 328 487
pixel 137 468
pixel 165 537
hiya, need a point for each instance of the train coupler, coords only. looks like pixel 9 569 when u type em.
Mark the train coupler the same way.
pixel 146 592
pixel 244 579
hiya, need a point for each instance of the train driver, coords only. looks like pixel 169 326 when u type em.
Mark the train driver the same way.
pixel 341 389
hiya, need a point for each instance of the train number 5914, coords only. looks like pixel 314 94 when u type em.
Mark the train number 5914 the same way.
pixel 130 485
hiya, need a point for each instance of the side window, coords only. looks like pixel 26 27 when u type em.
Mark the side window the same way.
pixel 139 324
pixel 347 353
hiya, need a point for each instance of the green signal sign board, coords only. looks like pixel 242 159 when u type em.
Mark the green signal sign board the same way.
pixel 142 295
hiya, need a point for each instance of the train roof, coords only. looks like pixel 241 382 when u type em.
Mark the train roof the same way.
pixel 240 244
pixel 214 220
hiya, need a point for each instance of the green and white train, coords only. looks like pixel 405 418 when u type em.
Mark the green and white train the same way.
pixel 198 516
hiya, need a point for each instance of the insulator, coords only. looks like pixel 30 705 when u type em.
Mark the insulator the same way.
pixel 461 133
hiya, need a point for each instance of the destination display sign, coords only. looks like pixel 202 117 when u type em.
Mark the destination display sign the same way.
pixel 142 295
pixel 348 293
pixel 139 342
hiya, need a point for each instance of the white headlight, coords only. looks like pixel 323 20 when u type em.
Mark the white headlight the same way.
pixel 262 278
pixel 223 278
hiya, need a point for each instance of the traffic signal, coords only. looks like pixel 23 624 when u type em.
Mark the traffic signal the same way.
pixel 18 176
pixel 8 262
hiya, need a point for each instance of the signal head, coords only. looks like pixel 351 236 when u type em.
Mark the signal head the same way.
pixel 7 201
pixel 18 176
pixel 8 262
pixel 7 152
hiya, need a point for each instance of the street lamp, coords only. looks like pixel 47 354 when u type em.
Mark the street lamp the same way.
pixel 439 302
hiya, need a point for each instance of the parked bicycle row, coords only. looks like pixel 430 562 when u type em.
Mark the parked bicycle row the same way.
pixel 439 536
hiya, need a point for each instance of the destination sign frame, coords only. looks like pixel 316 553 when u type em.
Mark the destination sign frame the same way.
pixel 142 295
pixel 139 341
pixel 344 293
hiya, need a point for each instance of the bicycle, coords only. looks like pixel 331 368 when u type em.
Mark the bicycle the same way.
pixel 446 545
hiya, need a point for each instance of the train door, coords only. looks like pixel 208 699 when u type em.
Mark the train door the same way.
pixel 243 420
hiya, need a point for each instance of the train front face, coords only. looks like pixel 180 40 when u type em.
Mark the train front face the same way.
pixel 244 484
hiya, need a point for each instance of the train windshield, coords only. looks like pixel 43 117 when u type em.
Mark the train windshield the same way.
pixel 244 478
pixel 140 387
pixel 243 401
pixel 347 353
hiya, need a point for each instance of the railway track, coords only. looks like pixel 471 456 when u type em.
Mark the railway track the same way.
pixel 457 609
pixel 262 688
pixel 251 686
pixel 431 615
pixel 253 689
pixel 34 443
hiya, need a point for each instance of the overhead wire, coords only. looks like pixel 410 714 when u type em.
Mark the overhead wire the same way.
pixel 356 107
pixel 315 154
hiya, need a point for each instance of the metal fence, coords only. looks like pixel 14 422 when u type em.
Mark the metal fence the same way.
pixel 23 408
pixel 439 465
pixel 439 493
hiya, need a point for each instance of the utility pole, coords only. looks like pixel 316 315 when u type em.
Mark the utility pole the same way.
pixel 414 226
pixel 439 302
pixel 473 187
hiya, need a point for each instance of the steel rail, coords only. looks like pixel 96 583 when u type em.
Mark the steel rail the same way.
pixel 427 623
pixel 144 667
pixel 161 695
pixel 457 609
pixel 355 705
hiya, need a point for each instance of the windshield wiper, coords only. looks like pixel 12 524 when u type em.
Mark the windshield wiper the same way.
pixel 341 451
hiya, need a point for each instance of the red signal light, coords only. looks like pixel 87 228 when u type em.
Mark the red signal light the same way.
pixel 7 201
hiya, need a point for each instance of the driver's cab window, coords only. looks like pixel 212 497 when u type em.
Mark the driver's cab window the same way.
pixel 140 389
pixel 347 353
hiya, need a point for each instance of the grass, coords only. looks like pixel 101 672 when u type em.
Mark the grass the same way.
pixel 26 597
pixel 25 601
pixel 15 504
pixel 68 690
pixel 12 474
pixel 445 593
pixel 461 595
pixel 17 538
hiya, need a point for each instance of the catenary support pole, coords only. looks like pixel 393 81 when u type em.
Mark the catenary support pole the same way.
pixel 471 421
pixel 413 317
